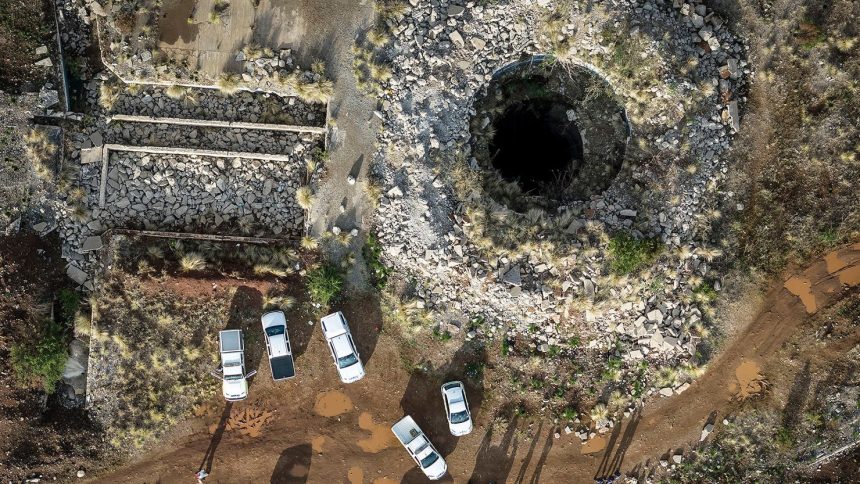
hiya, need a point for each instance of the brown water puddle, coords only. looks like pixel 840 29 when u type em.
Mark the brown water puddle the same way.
pixel 380 438
pixel 802 288
pixel 849 276
pixel 355 475
pixel 384 480
pixel 593 446
pixel 298 470
pixel 317 443
pixel 834 262
pixel 749 380
pixel 332 404
pixel 174 23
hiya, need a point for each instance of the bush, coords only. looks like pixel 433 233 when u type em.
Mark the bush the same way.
pixel 627 255
pixel 43 359
pixel 378 272
pixel 324 284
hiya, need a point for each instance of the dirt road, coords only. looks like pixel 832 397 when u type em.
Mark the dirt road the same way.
pixel 313 429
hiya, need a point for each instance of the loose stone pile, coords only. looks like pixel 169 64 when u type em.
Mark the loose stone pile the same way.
pixel 210 138
pixel 203 194
pixel 245 106
pixel 442 56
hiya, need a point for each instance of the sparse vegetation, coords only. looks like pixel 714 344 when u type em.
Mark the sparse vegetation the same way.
pixel 229 84
pixel 325 282
pixel 43 358
pixel 372 252
pixel 191 262
pixel 628 255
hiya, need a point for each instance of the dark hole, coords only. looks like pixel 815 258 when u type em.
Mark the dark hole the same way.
pixel 536 146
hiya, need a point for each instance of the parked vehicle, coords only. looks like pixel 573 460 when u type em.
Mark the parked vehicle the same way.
pixel 278 345
pixel 342 347
pixel 456 408
pixel 420 448
pixel 235 381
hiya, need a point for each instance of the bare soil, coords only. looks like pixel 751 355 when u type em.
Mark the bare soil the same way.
pixel 300 445
pixel 24 26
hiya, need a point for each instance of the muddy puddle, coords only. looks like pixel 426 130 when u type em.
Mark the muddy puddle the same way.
pixel 802 288
pixel 594 445
pixel 317 443
pixel 174 24
pixel 749 380
pixel 332 404
pixel 384 480
pixel 380 435
pixel 355 475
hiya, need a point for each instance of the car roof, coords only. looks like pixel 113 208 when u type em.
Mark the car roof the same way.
pixel 274 318
pixel 341 345
pixel 334 324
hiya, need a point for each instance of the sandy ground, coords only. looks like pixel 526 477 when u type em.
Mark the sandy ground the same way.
pixel 313 429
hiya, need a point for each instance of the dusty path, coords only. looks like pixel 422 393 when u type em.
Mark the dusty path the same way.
pixel 291 442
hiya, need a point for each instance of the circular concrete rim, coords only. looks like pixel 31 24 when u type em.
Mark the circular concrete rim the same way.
pixel 594 152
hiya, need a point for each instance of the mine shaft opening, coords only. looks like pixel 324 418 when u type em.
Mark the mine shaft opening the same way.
pixel 536 145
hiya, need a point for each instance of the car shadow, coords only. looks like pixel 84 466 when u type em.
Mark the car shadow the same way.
pixel 365 322
pixel 423 396
pixel 244 313
pixel 293 465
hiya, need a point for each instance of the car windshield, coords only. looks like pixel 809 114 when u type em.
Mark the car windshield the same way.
pixel 459 417
pixel 348 360
pixel 233 377
pixel 274 330
pixel 429 460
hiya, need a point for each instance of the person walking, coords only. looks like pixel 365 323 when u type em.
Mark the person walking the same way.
pixel 201 476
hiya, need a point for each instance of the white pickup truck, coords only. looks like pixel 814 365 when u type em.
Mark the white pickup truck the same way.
pixel 342 347
pixel 278 345
pixel 233 377
pixel 420 448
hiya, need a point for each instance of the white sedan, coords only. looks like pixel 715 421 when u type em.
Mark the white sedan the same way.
pixel 342 348
pixel 457 408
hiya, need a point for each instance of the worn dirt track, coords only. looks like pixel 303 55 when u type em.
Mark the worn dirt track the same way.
pixel 298 445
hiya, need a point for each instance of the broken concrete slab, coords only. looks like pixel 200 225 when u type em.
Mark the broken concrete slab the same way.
pixel 92 243
pixel 91 155
pixel 76 274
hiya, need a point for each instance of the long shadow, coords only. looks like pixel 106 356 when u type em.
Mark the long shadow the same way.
pixel 547 446
pixel 797 397
pixel 423 397
pixel 524 465
pixel 293 465
pixel 246 307
pixel 612 466
pixel 607 452
pixel 494 462
pixel 209 456
pixel 365 322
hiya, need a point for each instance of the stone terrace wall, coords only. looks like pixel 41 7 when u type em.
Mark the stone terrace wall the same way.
pixel 255 107
pixel 204 194
pixel 210 138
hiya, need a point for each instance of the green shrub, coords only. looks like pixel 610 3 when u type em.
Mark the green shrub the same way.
pixel 42 359
pixel 372 252
pixel 324 284
pixel 440 335
pixel 70 301
pixel 627 255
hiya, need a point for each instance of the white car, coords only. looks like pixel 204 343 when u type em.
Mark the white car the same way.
pixel 278 345
pixel 234 379
pixel 456 408
pixel 420 449
pixel 342 348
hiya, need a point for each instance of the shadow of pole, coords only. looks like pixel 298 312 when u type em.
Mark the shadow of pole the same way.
pixel 493 463
pixel 547 446
pixel 524 466
pixel 209 456
pixel 611 464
